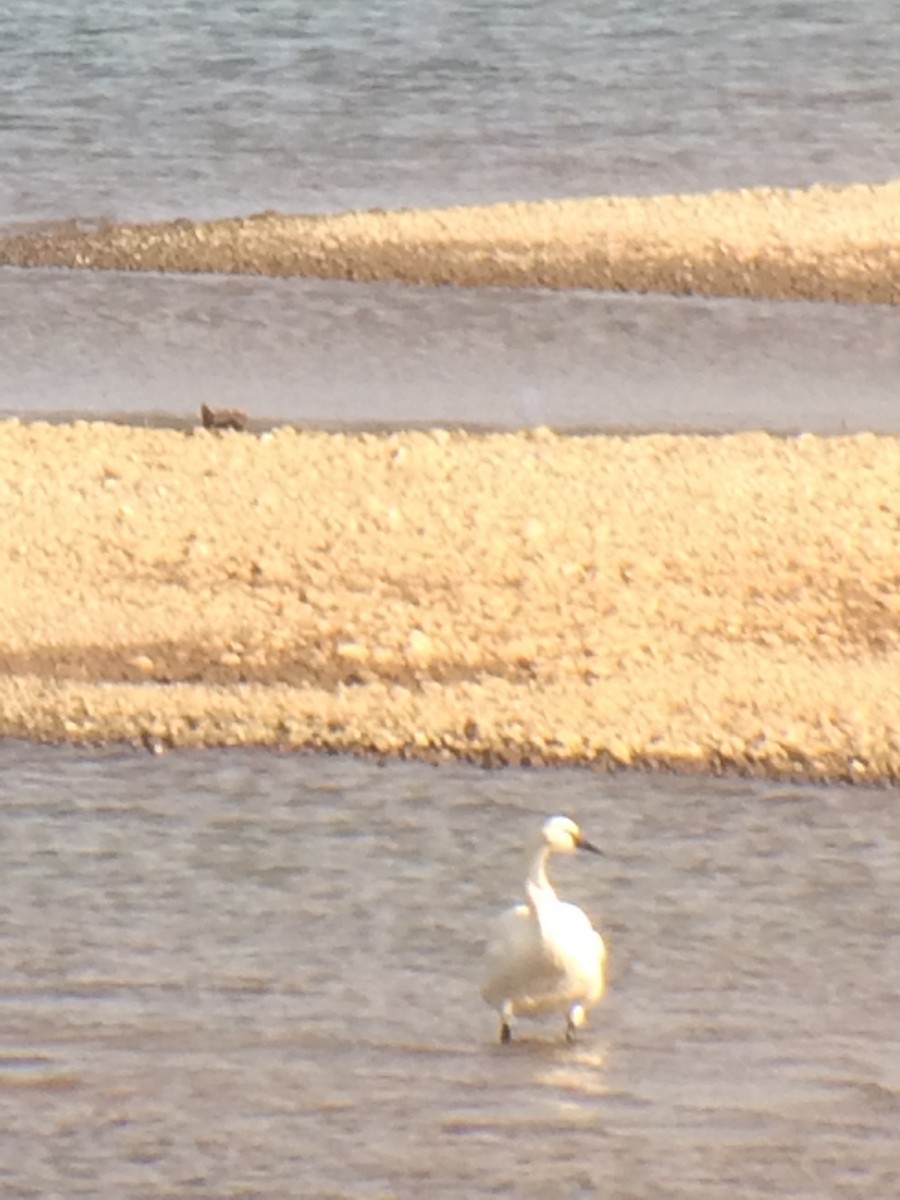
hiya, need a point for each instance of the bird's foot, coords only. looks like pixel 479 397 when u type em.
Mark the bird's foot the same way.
pixel 505 1033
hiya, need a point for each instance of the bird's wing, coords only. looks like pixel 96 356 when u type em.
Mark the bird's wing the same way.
pixel 516 958
pixel 574 937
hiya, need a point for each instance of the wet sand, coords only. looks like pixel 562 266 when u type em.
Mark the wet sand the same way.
pixel 723 603
pixel 822 243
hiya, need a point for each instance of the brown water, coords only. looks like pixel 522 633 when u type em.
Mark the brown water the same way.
pixel 250 974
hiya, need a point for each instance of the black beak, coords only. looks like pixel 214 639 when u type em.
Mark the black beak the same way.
pixel 584 844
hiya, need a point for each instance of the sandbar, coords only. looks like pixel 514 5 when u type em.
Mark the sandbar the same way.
pixel 820 243
pixel 727 603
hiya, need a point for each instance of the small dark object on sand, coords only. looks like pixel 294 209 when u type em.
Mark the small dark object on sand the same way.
pixel 223 418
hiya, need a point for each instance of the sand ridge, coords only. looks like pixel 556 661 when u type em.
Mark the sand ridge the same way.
pixel 674 601
pixel 820 243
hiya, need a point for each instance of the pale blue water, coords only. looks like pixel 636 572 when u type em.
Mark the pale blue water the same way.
pixel 132 109
pixel 135 110
pixel 248 974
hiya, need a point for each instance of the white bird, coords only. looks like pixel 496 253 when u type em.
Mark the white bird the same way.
pixel 545 956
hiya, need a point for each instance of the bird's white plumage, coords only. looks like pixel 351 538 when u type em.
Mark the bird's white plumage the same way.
pixel 545 956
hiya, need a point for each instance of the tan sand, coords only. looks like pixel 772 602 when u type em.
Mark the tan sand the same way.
pixel 825 243
pixel 721 602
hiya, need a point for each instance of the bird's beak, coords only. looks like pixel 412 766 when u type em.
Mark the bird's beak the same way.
pixel 584 844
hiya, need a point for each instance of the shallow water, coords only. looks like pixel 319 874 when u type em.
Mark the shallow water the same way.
pixel 255 974
pixel 130 110
pixel 333 353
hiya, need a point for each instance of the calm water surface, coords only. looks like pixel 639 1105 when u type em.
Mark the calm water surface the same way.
pixel 135 109
pixel 334 353
pixel 132 110
pixel 246 974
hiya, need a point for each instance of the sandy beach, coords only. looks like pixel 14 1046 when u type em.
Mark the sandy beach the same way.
pixel 822 243
pixel 713 603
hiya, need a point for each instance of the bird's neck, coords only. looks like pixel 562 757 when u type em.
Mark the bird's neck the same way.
pixel 538 887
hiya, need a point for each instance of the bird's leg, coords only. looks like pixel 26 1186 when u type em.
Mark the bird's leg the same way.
pixel 506 1020
pixel 575 1018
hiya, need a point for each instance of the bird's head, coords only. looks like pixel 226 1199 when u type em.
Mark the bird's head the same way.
pixel 563 835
